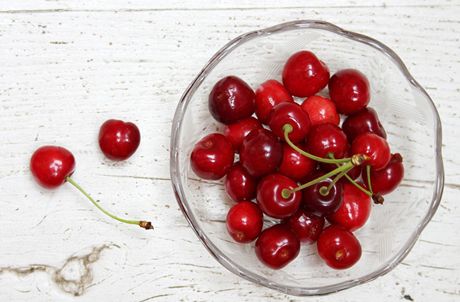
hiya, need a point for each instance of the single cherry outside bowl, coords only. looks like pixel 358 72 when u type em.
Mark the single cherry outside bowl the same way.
pixel 405 109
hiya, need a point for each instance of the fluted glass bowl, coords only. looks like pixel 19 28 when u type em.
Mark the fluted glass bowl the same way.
pixel 405 109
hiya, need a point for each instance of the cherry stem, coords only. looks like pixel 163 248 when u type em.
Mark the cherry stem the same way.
pixel 143 224
pixel 285 193
pixel 287 128
pixel 369 183
pixel 327 189
pixel 354 182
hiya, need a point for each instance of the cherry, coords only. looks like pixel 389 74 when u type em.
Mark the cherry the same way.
pixel 354 210
pixel 327 139
pixel 244 221
pixel 277 246
pixel 306 226
pixel 363 121
pixel 212 156
pixel 268 95
pixel 349 90
pixel 387 179
pixel 270 199
pixel 230 100
pixel 260 153
pixel 119 140
pixel 294 165
pixel 236 132
pixel 292 114
pixel 318 201
pixel 51 165
pixel 373 146
pixel 338 247
pixel 239 184
pixel 320 110
pixel 304 74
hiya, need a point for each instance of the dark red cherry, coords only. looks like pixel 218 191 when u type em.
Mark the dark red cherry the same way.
pixel 387 179
pixel 260 153
pixel 239 184
pixel 268 95
pixel 292 114
pixel 294 165
pixel 327 138
pixel 236 132
pixel 231 100
pixel 304 74
pixel 306 226
pixel 244 221
pixel 119 140
pixel 50 165
pixel 212 156
pixel 277 246
pixel 338 247
pixel 316 201
pixel 349 90
pixel 354 210
pixel 270 199
pixel 375 147
pixel 320 110
pixel 363 121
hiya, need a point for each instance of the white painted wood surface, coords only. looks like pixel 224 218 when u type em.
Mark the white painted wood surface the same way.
pixel 66 66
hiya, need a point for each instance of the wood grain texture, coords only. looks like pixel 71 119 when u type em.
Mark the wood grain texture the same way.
pixel 66 67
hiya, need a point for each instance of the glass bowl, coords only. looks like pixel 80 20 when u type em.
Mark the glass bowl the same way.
pixel 409 117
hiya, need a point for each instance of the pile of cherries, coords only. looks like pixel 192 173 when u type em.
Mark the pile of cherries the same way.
pixel 312 177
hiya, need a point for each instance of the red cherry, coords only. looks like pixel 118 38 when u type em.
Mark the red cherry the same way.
pixel 327 138
pixel 50 165
pixel 212 156
pixel 363 121
pixel 119 140
pixel 277 246
pixel 230 100
pixel 244 221
pixel 235 133
pixel 320 110
pixel 268 95
pixel 270 199
pixel 306 226
pixel 292 114
pixel 294 165
pixel 387 179
pixel 239 184
pixel 319 203
pixel 338 247
pixel 260 153
pixel 304 74
pixel 354 210
pixel 375 147
pixel 349 90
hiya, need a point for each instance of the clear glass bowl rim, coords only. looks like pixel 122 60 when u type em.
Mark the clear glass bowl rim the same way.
pixel 179 191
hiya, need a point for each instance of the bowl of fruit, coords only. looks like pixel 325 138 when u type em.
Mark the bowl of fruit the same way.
pixel 306 158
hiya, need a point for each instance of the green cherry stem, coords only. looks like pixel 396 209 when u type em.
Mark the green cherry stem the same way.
pixel 143 224
pixel 287 128
pixel 285 193
pixel 354 182
pixel 325 190
pixel 369 183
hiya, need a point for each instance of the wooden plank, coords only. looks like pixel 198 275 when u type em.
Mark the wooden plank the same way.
pixel 63 74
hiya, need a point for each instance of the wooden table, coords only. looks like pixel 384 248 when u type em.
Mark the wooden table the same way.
pixel 65 67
